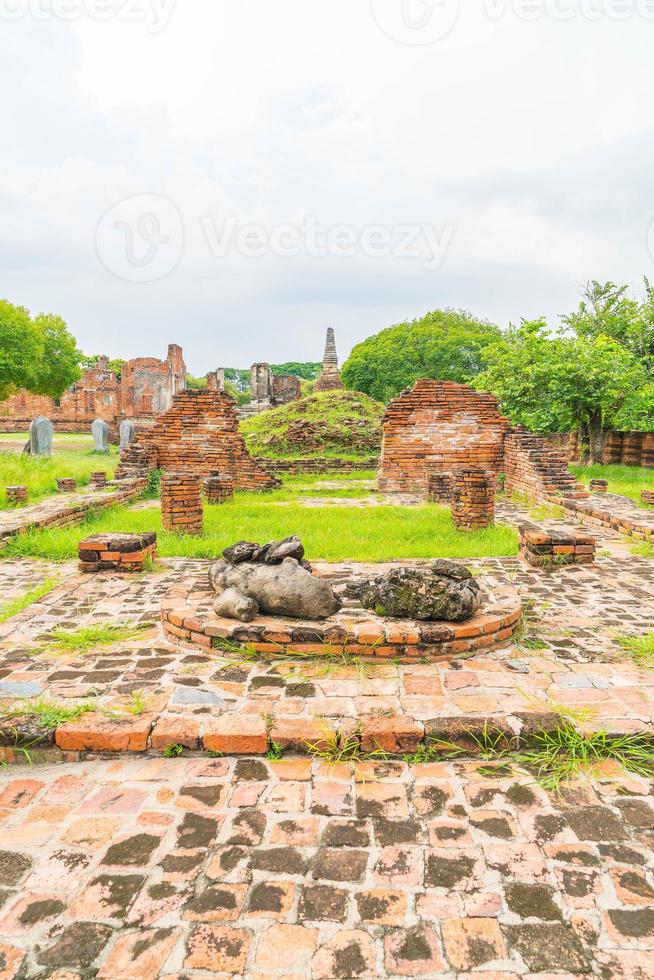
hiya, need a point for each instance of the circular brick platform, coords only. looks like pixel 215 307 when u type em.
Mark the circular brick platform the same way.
pixel 188 617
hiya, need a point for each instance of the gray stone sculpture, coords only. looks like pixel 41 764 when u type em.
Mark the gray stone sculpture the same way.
pixel 127 433
pixel 41 434
pixel 100 432
pixel 272 579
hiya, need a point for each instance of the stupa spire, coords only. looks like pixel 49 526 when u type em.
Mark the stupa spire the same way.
pixel 330 379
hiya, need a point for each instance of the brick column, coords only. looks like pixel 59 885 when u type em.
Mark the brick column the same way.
pixel 439 488
pixel 16 495
pixel 66 484
pixel 473 499
pixel 181 503
pixel 99 479
pixel 218 488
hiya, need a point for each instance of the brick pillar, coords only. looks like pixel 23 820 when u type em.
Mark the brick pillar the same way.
pixel 181 503
pixel 218 488
pixel 16 494
pixel 439 488
pixel 473 499
pixel 99 479
pixel 66 484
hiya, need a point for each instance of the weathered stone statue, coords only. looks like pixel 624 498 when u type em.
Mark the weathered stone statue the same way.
pixel 443 590
pixel 127 433
pixel 41 435
pixel 256 579
pixel 100 432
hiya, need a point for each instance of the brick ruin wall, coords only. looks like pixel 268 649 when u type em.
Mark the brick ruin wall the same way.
pixel 146 387
pixel 443 426
pixel 629 449
pixel 199 436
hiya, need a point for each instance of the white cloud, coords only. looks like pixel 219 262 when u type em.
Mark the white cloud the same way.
pixel 531 139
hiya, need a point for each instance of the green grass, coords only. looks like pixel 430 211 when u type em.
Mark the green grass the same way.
pixel 625 480
pixel 17 605
pixel 333 534
pixel 46 714
pixel 39 474
pixel 640 649
pixel 89 637
pixel 332 423
pixel 566 753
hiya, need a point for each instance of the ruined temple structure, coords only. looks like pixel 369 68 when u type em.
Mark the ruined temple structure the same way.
pixel 330 378
pixel 146 387
pixel 269 390
pixel 197 436
pixel 439 426
pixel 445 428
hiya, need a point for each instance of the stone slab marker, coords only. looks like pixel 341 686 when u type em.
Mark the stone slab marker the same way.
pixel 473 499
pixel 41 435
pixel 181 503
pixel 127 433
pixel 100 432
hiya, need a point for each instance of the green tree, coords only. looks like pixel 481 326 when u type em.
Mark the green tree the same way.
pixel 445 344
pixel 305 370
pixel 59 367
pixel 606 310
pixel 556 383
pixel 21 349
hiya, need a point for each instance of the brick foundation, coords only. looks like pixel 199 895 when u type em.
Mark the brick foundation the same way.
pixel 439 426
pixel 549 549
pixel 181 503
pixel 599 486
pixel 473 499
pixel 217 489
pixel 99 479
pixel 198 436
pixel 16 494
pixel 66 484
pixel 117 552
pixel 647 496
pixel 439 488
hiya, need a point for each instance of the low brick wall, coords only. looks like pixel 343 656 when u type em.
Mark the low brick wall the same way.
pixel 325 465
pixel 16 494
pixel 58 512
pixel 550 549
pixel 218 489
pixel 117 552
pixel 647 497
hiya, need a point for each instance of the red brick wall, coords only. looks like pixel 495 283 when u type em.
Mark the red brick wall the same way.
pixel 199 435
pixel 439 425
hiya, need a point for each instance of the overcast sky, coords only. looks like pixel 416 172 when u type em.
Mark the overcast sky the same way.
pixel 237 175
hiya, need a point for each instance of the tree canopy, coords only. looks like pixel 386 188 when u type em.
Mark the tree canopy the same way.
pixel 37 353
pixel 445 344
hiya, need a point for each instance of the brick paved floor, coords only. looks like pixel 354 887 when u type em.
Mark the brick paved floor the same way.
pixel 178 868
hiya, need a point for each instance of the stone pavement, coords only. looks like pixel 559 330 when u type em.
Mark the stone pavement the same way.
pixel 220 868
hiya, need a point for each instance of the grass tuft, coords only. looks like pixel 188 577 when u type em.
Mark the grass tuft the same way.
pixel 19 604
pixel 46 714
pixel 640 649
pixel 87 638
